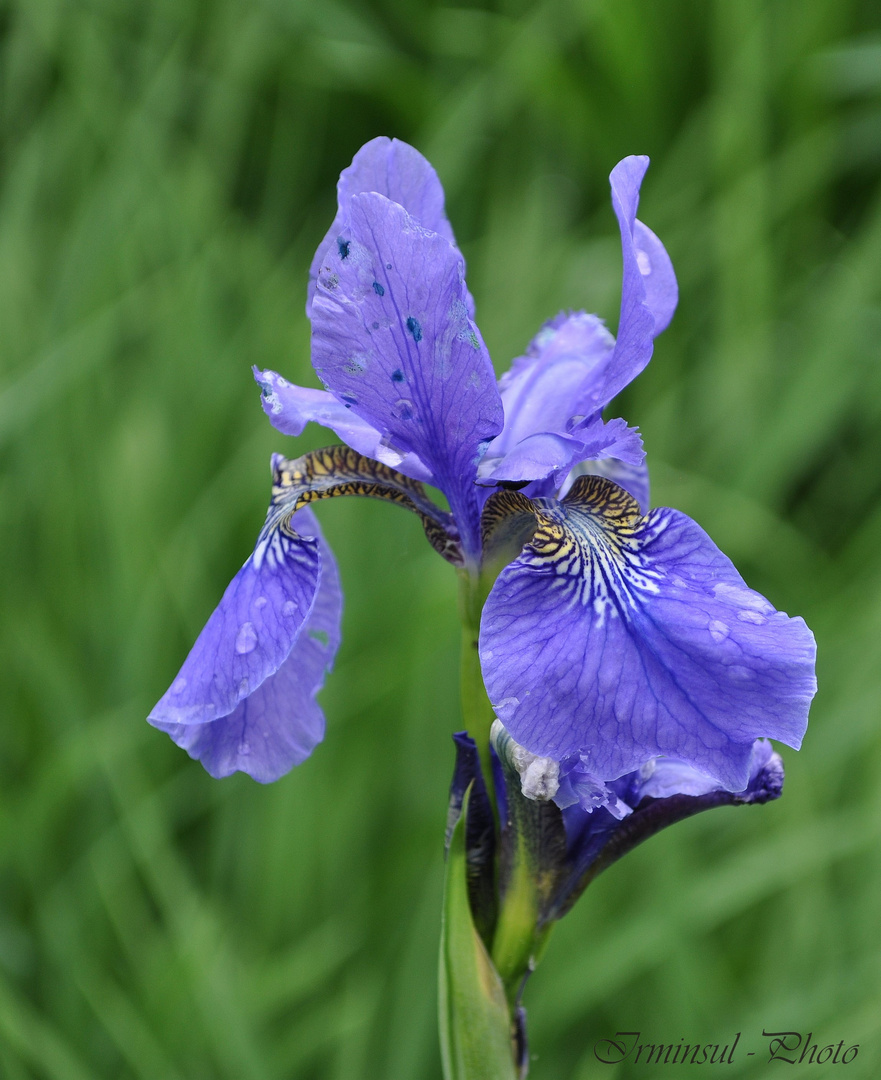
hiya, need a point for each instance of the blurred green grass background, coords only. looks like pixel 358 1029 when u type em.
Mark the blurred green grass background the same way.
pixel 168 167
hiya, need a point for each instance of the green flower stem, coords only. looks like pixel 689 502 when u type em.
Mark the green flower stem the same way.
pixel 476 709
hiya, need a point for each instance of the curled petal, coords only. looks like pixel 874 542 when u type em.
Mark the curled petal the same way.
pixel 626 638
pixel 658 278
pixel 290 408
pixel 648 290
pixel 574 367
pixel 251 631
pixel 553 455
pixel 665 777
pixel 392 338
pixel 398 171
pixel 280 723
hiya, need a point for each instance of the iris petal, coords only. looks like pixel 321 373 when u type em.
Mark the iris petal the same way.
pixel 280 723
pixel 648 291
pixel 398 171
pixel 544 388
pixel 290 408
pixel 392 338
pixel 251 631
pixel 574 367
pixel 625 638
pixel 553 455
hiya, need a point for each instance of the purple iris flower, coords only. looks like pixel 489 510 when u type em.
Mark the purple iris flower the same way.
pixel 612 637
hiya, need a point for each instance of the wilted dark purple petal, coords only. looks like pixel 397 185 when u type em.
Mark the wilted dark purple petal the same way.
pixel 290 408
pixel 279 724
pixel 398 171
pixel 597 839
pixel 480 842
pixel 626 638
pixel 392 338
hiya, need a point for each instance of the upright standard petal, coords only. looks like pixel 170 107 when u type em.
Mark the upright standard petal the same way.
pixel 279 724
pixel 392 338
pixel 551 418
pixel 544 390
pixel 624 638
pixel 648 289
pixel 394 169
pixel 554 394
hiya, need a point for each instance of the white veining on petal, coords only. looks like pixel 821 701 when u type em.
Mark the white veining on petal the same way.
pixel 595 554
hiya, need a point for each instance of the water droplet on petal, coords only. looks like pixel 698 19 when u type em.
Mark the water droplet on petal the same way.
pixel 750 616
pixel 507 703
pixel 643 262
pixel 388 454
pixel 246 640
pixel 179 685
pixel 719 630
pixel 289 608
pixel 244 749
pixel 403 409
pixel 260 602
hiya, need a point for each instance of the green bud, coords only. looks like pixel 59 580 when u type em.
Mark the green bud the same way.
pixel 476 1028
